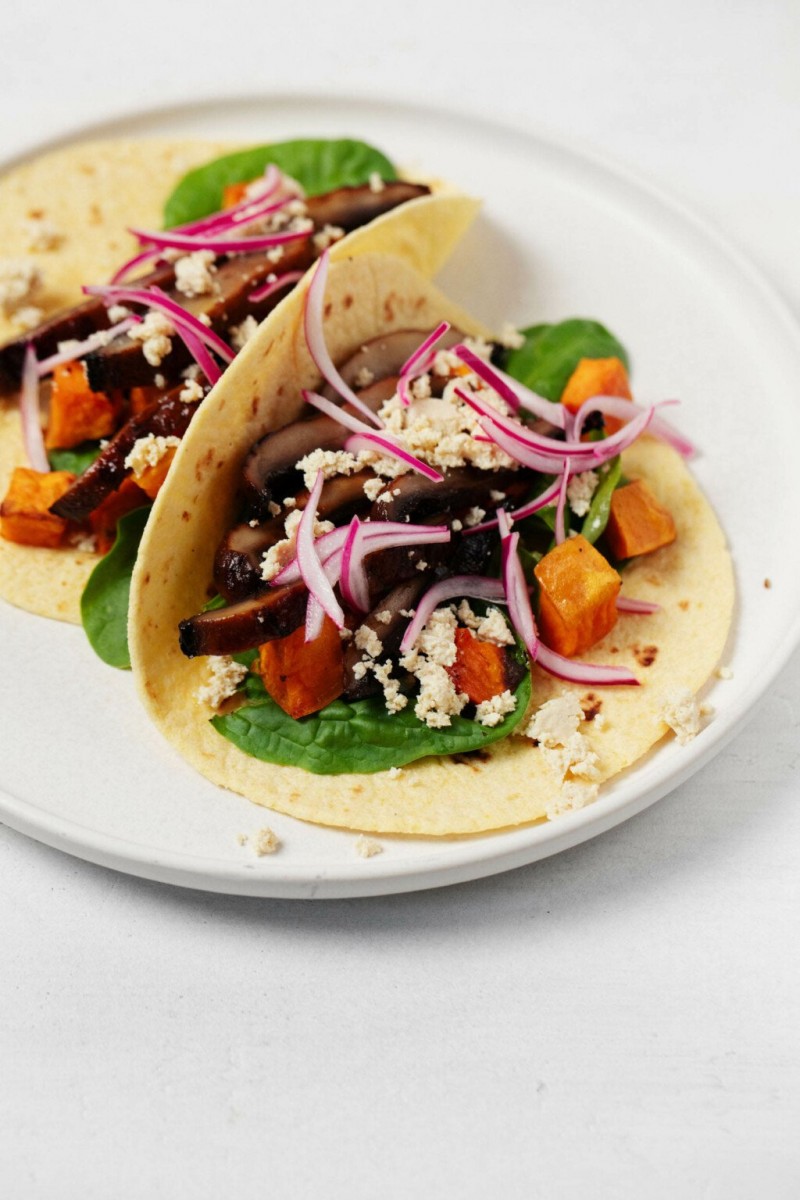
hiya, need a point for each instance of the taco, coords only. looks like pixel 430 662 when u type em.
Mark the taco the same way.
pixel 120 374
pixel 429 538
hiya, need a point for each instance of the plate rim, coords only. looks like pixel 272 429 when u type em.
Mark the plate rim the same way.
pixel 282 879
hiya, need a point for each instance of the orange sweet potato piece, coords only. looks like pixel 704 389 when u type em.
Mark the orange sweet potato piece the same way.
pixel 577 596
pixel 597 377
pixel 234 193
pixel 77 414
pixel 142 397
pixel 637 523
pixel 152 478
pixel 303 676
pixel 24 515
pixel 479 669
pixel 104 518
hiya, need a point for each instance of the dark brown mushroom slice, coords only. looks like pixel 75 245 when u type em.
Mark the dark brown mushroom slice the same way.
pixel 166 418
pixel 237 563
pixel 390 633
pixel 270 467
pixel 384 356
pixel 351 207
pixel 75 323
pixel 413 498
pixel 121 364
pixel 243 626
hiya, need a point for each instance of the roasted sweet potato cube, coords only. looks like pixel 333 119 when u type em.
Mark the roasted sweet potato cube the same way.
pixel 234 193
pixel 303 676
pixel 103 520
pixel 577 596
pixel 597 377
pixel 637 523
pixel 77 414
pixel 142 397
pixel 480 667
pixel 24 515
pixel 151 478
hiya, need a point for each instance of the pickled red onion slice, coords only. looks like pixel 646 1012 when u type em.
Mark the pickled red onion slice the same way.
pixel 561 507
pixel 629 605
pixel 220 244
pixel 543 500
pixel 311 568
pixel 384 444
pixel 515 394
pixel 266 289
pixel 477 587
pixel 315 337
pixel 419 362
pixel 32 435
pixel 92 342
pixel 368 537
pixel 154 297
pixel 625 410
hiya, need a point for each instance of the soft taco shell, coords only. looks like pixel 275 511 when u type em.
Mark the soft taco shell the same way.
pixel 91 193
pixel 691 580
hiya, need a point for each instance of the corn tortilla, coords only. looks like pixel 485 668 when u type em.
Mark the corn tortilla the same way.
pixel 91 193
pixel 511 783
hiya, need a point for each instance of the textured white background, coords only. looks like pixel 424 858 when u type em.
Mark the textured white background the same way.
pixel 620 1021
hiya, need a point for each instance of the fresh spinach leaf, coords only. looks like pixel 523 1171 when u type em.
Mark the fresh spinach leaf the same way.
pixel 352 737
pixel 76 459
pixel 596 519
pixel 552 352
pixel 318 164
pixel 104 603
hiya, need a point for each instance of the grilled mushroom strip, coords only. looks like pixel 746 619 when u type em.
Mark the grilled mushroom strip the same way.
pixel 165 418
pixel 276 613
pixel 389 632
pixel 351 207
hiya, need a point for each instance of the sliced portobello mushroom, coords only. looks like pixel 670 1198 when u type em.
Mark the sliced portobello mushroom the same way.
pixel 351 207
pixel 165 418
pixel 273 614
pixel 76 323
pixel 390 633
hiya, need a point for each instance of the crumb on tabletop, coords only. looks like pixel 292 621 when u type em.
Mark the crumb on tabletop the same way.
pixel 367 847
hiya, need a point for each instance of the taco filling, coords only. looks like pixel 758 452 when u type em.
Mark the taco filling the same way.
pixel 428 532
pixel 120 376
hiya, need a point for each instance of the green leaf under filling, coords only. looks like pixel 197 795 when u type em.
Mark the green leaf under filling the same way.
pixel 552 352
pixel 104 603
pixel 76 460
pixel 318 164
pixel 358 737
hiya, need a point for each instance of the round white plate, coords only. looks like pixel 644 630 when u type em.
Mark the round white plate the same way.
pixel 561 235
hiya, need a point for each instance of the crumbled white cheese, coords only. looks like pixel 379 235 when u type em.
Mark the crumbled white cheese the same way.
pixel 367 847
pixel 154 332
pixel 393 697
pixel 364 377
pixel 422 565
pixel 204 319
pixel 394 772
pixel 28 317
pixel 384 616
pixel 241 334
pixel 474 516
pixel 456 525
pixel 368 641
pixel 580 490
pixel 266 842
pixel 555 727
pixel 434 650
pixel 194 273
pixel 491 712
pixel 724 673
pixel 148 451
pixel 117 313
pixel 330 462
pixel 273 509
pixel 327 236
pixel 511 338
pixel 275 254
pixel 160 381
pixel 376 184
pixel 493 628
pixel 224 677
pixel 40 234
pixel 191 391
pixel 421 388
pixel 373 488
pixel 573 795
pixel 359 670
pixel 680 711
pixel 20 278
pixel 496 496
pixel 279 555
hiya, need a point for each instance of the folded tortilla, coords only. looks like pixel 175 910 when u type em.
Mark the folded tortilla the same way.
pixel 91 193
pixel 512 781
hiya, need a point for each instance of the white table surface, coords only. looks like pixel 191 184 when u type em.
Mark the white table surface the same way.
pixel 619 1021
